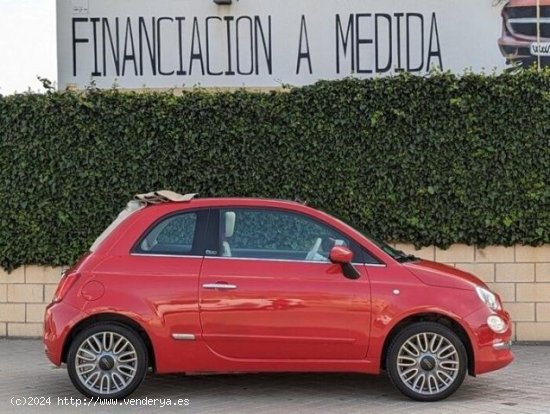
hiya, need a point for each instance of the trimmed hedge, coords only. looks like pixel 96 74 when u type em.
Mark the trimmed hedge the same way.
pixel 432 161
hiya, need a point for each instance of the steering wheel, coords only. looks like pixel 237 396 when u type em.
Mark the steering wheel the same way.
pixel 314 250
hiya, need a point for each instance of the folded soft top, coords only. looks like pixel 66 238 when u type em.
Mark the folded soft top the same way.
pixel 165 196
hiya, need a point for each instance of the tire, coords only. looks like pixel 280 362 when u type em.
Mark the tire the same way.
pixel 107 360
pixel 427 361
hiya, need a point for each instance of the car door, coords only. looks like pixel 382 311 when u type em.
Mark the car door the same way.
pixel 165 263
pixel 268 291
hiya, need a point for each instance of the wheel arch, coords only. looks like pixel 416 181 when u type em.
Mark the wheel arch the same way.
pixel 436 317
pixel 118 319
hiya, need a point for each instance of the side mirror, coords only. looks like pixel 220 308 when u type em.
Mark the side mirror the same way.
pixel 344 256
pixel 341 255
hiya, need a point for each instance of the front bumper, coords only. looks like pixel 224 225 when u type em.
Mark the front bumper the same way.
pixel 58 322
pixel 519 48
pixel 492 351
pixel 515 49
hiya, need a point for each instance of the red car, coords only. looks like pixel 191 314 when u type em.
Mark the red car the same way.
pixel 179 284
pixel 522 31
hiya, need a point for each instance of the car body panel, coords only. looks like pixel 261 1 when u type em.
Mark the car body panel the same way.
pixel 284 315
pixel 398 296
pixel 441 275
pixel 277 303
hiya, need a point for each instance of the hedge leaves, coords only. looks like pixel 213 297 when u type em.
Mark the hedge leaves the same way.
pixel 436 160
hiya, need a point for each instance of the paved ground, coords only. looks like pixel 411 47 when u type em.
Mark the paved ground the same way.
pixel 524 387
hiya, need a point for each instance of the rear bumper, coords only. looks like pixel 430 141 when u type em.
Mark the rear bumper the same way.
pixel 492 351
pixel 58 321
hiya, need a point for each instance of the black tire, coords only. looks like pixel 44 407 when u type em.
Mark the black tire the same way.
pixel 141 363
pixel 428 364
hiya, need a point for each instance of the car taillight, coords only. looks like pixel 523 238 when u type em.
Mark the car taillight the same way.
pixel 65 284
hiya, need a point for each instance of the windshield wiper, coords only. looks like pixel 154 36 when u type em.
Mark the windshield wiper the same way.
pixel 404 257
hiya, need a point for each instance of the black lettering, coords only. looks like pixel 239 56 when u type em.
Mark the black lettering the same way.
pixel 303 54
pixel 77 40
pixel 129 56
pixel 434 52
pixel 381 69
pixel 398 17
pixel 229 72
pixel 361 41
pixel 95 21
pixel 196 56
pixel 208 46
pixel 180 20
pixel 268 50
pixel 421 19
pixel 115 51
pixel 251 38
pixel 151 41
pixel 345 41
pixel 159 46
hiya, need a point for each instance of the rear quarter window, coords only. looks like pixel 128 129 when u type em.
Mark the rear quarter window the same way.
pixel 173 235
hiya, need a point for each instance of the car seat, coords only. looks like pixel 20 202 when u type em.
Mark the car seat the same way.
pixel 229 229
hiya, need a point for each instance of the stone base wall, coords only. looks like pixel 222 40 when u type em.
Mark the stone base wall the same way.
pixel 520 274
pixel 24 294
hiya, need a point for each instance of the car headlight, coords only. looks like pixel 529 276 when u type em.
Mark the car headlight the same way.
pixel 489 298
pixel 497 324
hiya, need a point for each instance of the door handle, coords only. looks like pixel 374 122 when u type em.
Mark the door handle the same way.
pixel 219 286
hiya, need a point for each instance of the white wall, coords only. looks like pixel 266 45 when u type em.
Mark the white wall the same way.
pixel 466 38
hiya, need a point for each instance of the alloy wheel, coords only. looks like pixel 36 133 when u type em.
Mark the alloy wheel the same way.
pixel 428 363
pixel 106 362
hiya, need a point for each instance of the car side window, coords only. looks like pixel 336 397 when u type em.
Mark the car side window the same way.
pixel 276 234
pixel 173 235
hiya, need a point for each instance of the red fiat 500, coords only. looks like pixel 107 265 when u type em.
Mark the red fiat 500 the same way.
pixel 179 284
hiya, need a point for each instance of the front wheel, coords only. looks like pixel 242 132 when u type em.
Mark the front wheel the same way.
pixel 107 361
pixel 427 361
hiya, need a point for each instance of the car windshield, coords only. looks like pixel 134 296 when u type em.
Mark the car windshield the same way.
pixel 398 255
pixel 130 209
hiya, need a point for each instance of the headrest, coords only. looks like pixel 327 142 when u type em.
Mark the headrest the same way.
pixel 229 218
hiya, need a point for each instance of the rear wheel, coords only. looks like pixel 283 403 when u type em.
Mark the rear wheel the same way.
pixel 107 361
pixel 427 361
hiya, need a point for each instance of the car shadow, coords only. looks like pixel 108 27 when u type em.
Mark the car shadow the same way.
pixel 292 386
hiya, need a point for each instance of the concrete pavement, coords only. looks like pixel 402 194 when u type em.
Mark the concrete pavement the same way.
pixel 26 376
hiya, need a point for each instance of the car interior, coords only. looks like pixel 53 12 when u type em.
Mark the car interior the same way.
pixel 173 235
pixel 319 247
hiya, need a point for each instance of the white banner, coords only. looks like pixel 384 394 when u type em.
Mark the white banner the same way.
pixel 268 43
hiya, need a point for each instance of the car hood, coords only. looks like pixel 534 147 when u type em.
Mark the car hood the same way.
pixel 527 3
pixel 437 274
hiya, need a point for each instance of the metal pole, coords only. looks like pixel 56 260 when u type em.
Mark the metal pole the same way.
pixel 538 35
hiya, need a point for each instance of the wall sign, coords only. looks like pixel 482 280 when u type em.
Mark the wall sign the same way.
pixel 267 43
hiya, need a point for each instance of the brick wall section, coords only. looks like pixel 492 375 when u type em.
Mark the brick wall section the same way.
pixel 521 275
pixel 24 295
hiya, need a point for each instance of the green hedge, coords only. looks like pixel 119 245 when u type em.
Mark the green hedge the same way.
pixel 436 160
